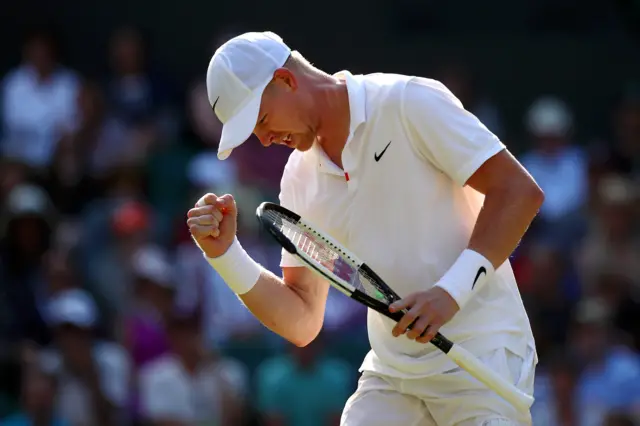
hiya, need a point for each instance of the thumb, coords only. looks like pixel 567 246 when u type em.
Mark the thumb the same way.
pixel 403 303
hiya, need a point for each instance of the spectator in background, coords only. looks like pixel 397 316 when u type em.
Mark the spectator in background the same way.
pixel 189 385
pixel 612 243
pixel 549 293
pixel 560 168
pixel 93 375
pixel 37 399
pixel 320 386
pixel 115 229
pixel 620 154
pixel 87 155
pixel 137 95
pixel 153 297
pixel 145 333
pixel 610 376
pixel 38 103
pixel 554 391
pixel 27 223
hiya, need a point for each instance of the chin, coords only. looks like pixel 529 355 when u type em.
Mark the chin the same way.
pixel 304 144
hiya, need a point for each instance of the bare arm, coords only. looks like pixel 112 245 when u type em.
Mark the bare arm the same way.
pixel 292 306
pixel 512 199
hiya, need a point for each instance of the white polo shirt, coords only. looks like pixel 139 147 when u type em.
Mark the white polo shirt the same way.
pixel 401 205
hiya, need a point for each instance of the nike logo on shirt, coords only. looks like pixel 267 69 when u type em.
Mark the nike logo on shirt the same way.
pixel 377 157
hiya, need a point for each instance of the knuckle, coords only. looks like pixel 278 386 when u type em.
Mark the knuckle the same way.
pixel 409 318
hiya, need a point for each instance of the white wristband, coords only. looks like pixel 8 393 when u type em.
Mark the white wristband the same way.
pixel 237 268
pixel 468 274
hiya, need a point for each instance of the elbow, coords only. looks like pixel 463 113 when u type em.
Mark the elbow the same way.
pixel 303 342
pixel 529 195
pixel 307 334
pixel 535 195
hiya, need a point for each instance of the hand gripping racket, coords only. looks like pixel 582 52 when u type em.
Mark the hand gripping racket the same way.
pixel 354 278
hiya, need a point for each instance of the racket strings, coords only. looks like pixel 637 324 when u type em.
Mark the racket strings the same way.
pixel 330 256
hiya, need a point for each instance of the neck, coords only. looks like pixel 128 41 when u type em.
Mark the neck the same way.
pixel 335 116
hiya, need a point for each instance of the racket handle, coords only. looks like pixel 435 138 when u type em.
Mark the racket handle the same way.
pixel 490 378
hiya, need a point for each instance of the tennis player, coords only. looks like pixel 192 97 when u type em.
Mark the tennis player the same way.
pixel 399 172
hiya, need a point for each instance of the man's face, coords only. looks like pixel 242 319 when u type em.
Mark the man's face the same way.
pixel 285 114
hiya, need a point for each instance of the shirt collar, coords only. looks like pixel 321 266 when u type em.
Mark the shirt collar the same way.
pixel 357 112
pixel 357 99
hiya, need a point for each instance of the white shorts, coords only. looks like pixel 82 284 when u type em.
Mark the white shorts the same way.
pixel 453 398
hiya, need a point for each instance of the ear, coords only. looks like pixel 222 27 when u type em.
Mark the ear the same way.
pixel 285 77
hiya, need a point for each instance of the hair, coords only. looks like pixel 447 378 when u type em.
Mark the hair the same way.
pixel 297 62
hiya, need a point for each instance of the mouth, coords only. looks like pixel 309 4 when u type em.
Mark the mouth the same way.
pixel 288 141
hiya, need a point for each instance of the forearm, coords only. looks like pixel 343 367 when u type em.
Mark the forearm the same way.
pixel 508 209
pixel 288 311
pixel 504 219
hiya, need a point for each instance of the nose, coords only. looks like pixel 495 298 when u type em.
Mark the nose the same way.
pixel 264 138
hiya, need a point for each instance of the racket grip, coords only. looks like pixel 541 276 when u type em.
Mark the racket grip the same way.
pixel 490 378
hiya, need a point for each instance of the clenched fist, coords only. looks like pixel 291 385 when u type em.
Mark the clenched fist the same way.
pixel 213 223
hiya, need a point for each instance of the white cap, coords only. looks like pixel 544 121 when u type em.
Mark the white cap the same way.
pixel 238 73
pixel 73 307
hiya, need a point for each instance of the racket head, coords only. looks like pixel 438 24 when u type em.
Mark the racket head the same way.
pixel 343 269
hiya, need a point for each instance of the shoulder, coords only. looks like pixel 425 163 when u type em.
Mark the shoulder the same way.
pixel 383 89
pixel 402 95
pixel 427 92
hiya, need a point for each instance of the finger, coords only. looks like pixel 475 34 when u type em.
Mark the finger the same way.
pixel 203 231
pixel 200 211
pixel 404 323
pixel 429 333
pixel 403 303
pixel 207 199
pixel 218 215
pixel 419 327
pixel 203 220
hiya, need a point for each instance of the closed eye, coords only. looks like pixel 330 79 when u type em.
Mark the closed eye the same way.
pixel 264 117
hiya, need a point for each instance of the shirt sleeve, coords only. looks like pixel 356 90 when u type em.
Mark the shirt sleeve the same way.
pixel 443 132
pixel 287 200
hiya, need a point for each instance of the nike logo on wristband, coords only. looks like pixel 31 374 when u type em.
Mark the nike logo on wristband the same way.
pixel 482 270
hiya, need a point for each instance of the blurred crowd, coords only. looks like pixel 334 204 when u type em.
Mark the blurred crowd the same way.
pixel 110 316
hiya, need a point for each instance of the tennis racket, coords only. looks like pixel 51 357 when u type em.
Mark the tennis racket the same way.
pixel 354 278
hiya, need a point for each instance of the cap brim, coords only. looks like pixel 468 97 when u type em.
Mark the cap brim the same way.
pixel 238 129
